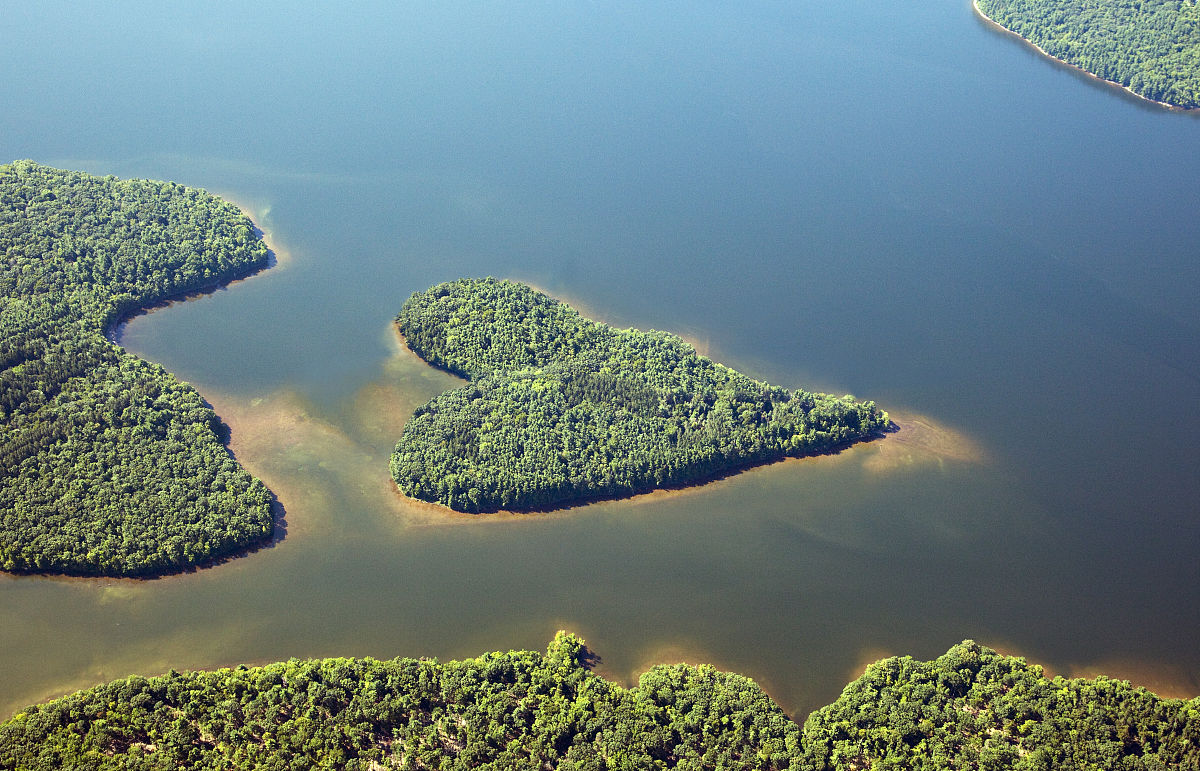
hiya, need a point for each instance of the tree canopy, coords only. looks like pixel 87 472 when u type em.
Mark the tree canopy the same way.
pixel 1151 47
pixel 561 409
pixel 108 464
pixel 975 708
pixel 971 708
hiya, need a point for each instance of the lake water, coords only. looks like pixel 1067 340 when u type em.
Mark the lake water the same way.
pixel 889 199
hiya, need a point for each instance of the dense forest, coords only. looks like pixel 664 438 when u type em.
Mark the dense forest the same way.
pixel 1152 47
pixel 561 408
pixel 974 708
pixel 108 464
pixel 969 709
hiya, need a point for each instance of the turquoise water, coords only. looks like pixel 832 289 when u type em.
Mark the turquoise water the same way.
pixel 893 201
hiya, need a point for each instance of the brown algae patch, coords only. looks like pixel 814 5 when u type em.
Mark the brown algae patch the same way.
pixel 379 413
pixel 919 441
pixel 259 212
pixel 1167 680
pixel 278 439
pixel 381 409
pixel 304 457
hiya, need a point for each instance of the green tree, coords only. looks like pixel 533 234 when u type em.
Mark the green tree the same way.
pixel 561 409
pixel 108 464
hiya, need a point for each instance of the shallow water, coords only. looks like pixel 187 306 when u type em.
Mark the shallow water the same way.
pixel 887 200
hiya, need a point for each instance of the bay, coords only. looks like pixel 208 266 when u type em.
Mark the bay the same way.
pixel 883 199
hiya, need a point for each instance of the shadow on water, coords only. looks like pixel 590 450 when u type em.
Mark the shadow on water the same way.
pixel 589 659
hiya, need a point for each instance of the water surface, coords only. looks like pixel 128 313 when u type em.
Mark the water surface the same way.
pixel 876 198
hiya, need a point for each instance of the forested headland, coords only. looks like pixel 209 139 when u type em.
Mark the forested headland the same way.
pixel 108 464
pixel 969 709
pixel 563 409
pixel 1151 47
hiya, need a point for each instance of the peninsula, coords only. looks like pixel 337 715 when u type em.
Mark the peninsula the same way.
pixel 970 708
pixel 561 409
pixel 109 465
pixel 1150 48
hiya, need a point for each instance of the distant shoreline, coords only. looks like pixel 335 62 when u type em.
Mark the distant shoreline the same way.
pixel 997 25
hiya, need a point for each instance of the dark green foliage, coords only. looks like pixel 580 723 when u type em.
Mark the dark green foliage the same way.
pixel 969 709
pixel 501 710
pixel 562 409
pixel 108 464
pixel 1152 47
pixel 974 708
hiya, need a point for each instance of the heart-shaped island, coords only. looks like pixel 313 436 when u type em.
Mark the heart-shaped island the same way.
pixel 561 409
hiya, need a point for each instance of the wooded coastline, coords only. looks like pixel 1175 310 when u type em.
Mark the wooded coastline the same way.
pixel 1133 50
pixel 562 410
pixel 110 465
pixel 970 708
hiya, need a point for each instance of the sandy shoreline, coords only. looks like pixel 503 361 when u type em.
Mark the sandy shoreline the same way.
pixel 915 439
pixel 259 217
pixel 1001 28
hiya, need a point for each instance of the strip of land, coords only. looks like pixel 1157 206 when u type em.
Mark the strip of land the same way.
pixel 109 465
pixel 1150 49
pixel 970 708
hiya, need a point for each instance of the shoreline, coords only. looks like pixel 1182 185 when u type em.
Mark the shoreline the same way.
pixel 1001 28
pixel 571 503
pixel 599 496
pixel 113 329
pixel 112 332
pixel 583 309
pixel 911 434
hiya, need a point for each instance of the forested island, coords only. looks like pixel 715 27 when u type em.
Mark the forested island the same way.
pixel 562 409
pixel 971 708
pixel 1150 47
pixel 108 464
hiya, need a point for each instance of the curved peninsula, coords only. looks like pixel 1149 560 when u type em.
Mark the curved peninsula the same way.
pixel 109 465
pixel 971 708
pixel 1150 48
pixel 561 409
